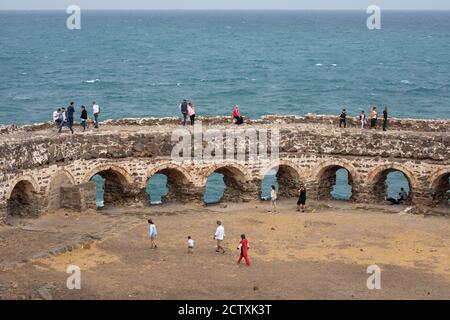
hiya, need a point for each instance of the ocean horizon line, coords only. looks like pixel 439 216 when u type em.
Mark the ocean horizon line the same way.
pixel 224 10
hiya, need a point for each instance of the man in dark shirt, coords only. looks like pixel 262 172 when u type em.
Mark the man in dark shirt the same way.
pixel 385 118
pixel 70 112
pixel 343 119
pixel 184 110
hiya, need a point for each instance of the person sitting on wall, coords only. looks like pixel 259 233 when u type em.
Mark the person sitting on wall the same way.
pixel 237 116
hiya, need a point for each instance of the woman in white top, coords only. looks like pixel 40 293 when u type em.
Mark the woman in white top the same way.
pixel 362 119
pixel 273 199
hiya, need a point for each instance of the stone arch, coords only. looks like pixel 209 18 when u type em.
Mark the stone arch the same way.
pixel 125 175
pixel 57 181
pixel 289 177
pixel 439 186
pixel 324 177
pixel 376 181
pixel 239 185
pixel 22 198
pixel 179 183
pixel 119 189
pixel 29 179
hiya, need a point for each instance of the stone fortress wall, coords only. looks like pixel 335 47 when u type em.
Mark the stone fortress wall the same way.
pixel 42 171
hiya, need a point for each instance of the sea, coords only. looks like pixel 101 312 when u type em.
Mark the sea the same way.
pixel 141 63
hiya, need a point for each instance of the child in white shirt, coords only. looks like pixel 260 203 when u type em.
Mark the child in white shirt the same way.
pixel 190 245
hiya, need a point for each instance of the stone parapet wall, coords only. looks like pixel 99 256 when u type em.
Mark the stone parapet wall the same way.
pixel 406 124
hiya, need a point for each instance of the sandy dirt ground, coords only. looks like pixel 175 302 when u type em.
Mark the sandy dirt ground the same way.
pixel 321 254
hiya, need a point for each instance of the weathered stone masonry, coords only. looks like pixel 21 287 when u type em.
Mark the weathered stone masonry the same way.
pixel 43 171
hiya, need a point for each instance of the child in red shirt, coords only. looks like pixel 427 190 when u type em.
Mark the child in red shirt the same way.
pixel 243 245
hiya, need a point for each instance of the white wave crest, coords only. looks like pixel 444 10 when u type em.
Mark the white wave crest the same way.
pixel 92 81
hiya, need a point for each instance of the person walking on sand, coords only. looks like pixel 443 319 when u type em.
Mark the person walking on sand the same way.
pixel 190 245
pixel 243 246
pixel 363 119
pixel 184 110
pixel 152 233
pixel 96 113
pixel 273 199
pixel 191 112
pixel 84 117
pixel 219 236
pixel 70 112
pixel 343 119
pixel 301 199
pixel 385 118
pixel 373 117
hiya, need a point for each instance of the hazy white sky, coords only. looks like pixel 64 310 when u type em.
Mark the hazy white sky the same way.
pixel 225 4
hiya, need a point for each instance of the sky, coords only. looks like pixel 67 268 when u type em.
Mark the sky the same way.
pixel 225 4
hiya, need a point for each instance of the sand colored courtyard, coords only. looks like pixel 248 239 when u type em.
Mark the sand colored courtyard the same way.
pixel 321 254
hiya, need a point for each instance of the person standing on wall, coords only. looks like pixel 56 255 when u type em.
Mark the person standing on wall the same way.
pixel 63 119
pixel 70 112
pixel 385 118
pixel 363 119
pixel 57 117
pixel 191 112
pixel 343 119
pixel 84 117
pixel 184 110
pixel 96 113
pixel 373 117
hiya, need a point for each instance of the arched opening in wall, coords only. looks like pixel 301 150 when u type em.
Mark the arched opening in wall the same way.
pixel 286 180
pixel 111 188
pixel 335 183
pixel 442 191
pixel 54 191
pixel 170 185
pixel 226 184
pixel 23 201
pixel 389 184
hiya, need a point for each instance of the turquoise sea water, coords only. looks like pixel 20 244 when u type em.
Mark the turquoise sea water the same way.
pixel 140 63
